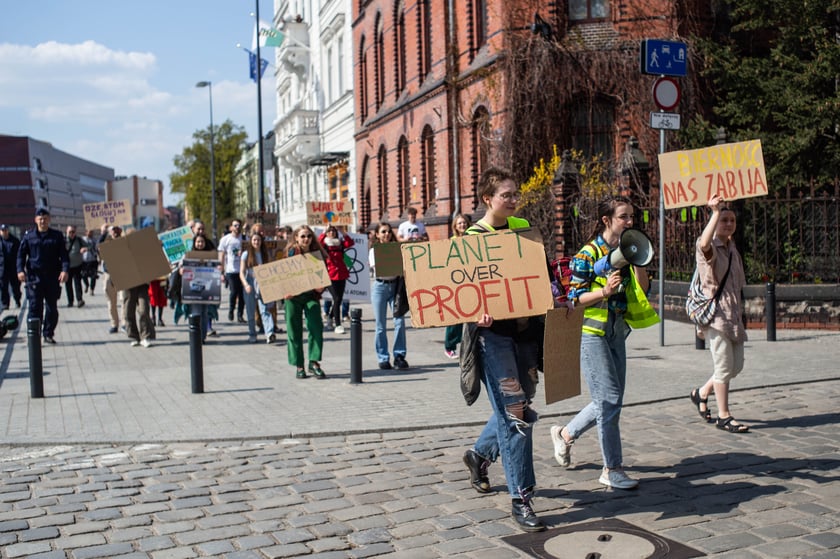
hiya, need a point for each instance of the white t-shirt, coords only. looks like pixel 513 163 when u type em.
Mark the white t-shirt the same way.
pixel 231 245
pixel 408 230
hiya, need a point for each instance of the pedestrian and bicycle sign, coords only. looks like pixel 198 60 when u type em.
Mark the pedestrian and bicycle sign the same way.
pixel 664 58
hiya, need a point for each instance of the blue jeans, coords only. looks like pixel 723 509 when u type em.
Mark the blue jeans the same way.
pixel 603 360
pixel 252 300
pixel 503 360
pixel 381 297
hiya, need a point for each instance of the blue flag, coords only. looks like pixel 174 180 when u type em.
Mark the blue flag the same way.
pixel 252 62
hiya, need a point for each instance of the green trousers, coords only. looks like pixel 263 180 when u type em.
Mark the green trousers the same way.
pixel 299 307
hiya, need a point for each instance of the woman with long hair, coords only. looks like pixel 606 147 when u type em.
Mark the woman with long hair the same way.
pixel 453 333
pixel 255 254
pixel 305 306
pixel 334 243
pixel 382 294
pixel 614 302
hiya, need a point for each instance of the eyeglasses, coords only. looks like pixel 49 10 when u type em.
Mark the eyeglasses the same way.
pixel 508 196
pixel 236 225
pixel 304 236
pixel 384 232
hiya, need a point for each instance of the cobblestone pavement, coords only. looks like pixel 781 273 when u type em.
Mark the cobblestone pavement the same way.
pixel 121 460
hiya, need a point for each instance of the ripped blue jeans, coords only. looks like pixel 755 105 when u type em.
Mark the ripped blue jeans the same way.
pixel 504 372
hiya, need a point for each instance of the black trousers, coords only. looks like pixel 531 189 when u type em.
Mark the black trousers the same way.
pixel 74 281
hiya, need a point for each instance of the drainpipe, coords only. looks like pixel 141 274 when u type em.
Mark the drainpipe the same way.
pixel 452 101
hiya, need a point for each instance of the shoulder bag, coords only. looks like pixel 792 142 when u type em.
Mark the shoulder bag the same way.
pixel 700 308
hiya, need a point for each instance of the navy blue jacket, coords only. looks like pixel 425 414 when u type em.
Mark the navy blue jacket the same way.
pixel 9 247
pixel 42 256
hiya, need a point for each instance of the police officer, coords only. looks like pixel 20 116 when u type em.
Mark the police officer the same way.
pixel 43 263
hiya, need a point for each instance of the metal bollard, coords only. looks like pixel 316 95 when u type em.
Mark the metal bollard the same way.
pixel 355 346
pixel 36 366
pixel 770 311
pixel 196 359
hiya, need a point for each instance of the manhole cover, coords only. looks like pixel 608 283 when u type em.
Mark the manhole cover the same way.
pixel 601 539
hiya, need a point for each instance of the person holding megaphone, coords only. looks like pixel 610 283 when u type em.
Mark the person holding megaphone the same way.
pixel 608 279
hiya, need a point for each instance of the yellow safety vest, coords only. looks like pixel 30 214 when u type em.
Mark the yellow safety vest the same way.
pixel 639 313
pixel 512 222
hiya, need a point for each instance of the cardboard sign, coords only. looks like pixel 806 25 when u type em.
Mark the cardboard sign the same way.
pixel 291 276
pixel 691 177
pixel 457 280
pixel 561 354
pixel 329 213
pixel 201 281
pixel 176 243
pixel 134 259
pixel 117 212
pixel 269 219
pixel 276 248
pixel 387 258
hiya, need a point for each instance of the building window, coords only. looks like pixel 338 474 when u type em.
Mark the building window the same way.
pixel 403 180
pixel 36 163
pixel 338 179
pixel 593 129
pixel 329 72
pixel 382 172
pixel 399 47
pixel 479 133
pixel 427 163
pixel 588 10
pixel 364 210
pixel 424 38
pixel 340 66
pixel 40 184
pixel 379 62
pixel 477 25
pixel 363 81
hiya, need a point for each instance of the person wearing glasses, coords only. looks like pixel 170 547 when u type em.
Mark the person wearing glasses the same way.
pixel 335 244
pixel 382 294
pixel 507 357
pixel 305 306
pixel 230 250
pixel 615 301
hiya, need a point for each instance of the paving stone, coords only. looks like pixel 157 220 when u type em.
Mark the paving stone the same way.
pixel 108 550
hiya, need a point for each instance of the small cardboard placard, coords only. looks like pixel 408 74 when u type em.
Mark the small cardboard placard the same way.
pixel 176 242
pixel 388 259
pixel 134 259
pixel 276 248
pixel 329 213
pixel 269 219
pixel 453 281
pixel 291 276
pixel 117 212
pixel 561 354
pixel 201 281
pixel 691 177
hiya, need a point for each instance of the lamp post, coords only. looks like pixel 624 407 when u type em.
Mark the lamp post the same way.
pixel 209 85
pixel 261 178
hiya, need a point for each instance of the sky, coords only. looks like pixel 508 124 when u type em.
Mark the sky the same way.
pixel 114 81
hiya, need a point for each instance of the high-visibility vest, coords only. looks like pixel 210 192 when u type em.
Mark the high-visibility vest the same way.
pixel 512 222
pixel 639 313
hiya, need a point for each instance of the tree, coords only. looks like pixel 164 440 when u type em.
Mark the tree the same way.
pixel 192 177
pixel 772 67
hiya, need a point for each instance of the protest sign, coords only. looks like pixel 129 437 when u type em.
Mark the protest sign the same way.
pixel 457 280
pixel 117 212
pixel 387 258
pixel 357 286
pixel 276 248
pixel 176 242
pixel 269 219
pixel 201 281
pixel 329 213
pixel 691 177
pixel 561 354
pixel 134 259
pixel 291 276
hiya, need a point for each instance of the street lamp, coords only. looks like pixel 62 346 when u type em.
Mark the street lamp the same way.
pixel 209 85
pixel 261 165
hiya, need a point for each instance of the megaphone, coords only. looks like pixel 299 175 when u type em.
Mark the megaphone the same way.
pixel 634 247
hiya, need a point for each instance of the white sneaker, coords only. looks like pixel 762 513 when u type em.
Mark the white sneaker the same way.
pixel 134 343
pixel 145 342
pixel 562 449
pixel 339 329
pixel 617 479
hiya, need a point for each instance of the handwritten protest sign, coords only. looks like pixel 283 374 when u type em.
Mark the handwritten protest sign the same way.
pixel 117 212
pixel 329 213
pixel 176 242
pixel 388 260
pixel 269 219
pixel 691 177
pixel 561 354
pixel 291 276
pixel 201 282
pixel 134 259
pixel 457 280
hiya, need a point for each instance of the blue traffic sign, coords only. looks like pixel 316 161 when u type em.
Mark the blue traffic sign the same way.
pixel 664 58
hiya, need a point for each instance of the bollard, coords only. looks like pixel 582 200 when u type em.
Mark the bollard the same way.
pixel 770 311
pixel 196 360
pixel 36 368
pixel 355 346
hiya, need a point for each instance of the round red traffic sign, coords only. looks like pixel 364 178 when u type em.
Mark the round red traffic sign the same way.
pixel 666 93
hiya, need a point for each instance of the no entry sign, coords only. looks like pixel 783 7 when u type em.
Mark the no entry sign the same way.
pixel 666 93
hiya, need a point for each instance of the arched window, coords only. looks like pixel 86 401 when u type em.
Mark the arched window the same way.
pixel 427 166
pixel 477 25
pixel 382 172
pixel 479 133
pixel 364 207
pixel 403 177
pixel 424 38
pixel 399 47
pixel 363 81
pixel 379 61
pixel 593 129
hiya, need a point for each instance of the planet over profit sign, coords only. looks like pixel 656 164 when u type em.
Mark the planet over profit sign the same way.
pixel 691 177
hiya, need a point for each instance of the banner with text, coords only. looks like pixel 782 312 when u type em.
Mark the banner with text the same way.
pixel 117 212
pixel 691 177
pixel 457 280
pixel 291 276
pixel 357 286
pixel 329 213
pixel 176 243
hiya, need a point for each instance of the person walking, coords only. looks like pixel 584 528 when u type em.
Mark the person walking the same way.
pixel 382 294
pixel 615 301
pixel 157 300
pixel 9 283
pixel 75 251
pixel 453 333
pixel 255 254
pixel 335 244
pixel 90 262
pixel 42 263
pixel 113 297
pixel 507 358
pixel 305 306
pixel 230 250
pixel 411 229
pixel 719 262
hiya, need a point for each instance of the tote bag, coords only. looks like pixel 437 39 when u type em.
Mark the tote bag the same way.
pixel 700 308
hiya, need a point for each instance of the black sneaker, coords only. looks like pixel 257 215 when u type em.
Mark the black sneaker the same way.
pixel 81 304
pixel 112 330
pixel 477 465
pixel 524 514
pixel 400 362
pixel 385 365
pixel 230 316
pixel 49 339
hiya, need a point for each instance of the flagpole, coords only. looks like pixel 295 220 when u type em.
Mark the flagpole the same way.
pixel 261 179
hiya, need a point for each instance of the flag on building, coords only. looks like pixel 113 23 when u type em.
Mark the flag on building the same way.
pixel 269 36
pixel 252 63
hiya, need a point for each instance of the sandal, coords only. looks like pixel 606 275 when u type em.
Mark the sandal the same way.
pixel 696 400
pixel 728 424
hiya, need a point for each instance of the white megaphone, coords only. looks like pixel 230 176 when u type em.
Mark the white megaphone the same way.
pixel 634 247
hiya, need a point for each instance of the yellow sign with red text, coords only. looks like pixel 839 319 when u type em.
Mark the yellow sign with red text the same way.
pixel 691 177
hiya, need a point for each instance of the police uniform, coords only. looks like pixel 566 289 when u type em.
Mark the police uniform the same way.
pixel 42 257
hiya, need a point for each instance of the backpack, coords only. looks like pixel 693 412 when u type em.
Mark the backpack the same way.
pixel 561 269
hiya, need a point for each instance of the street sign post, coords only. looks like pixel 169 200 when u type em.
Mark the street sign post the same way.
pixel 665 121
pixel 664 58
